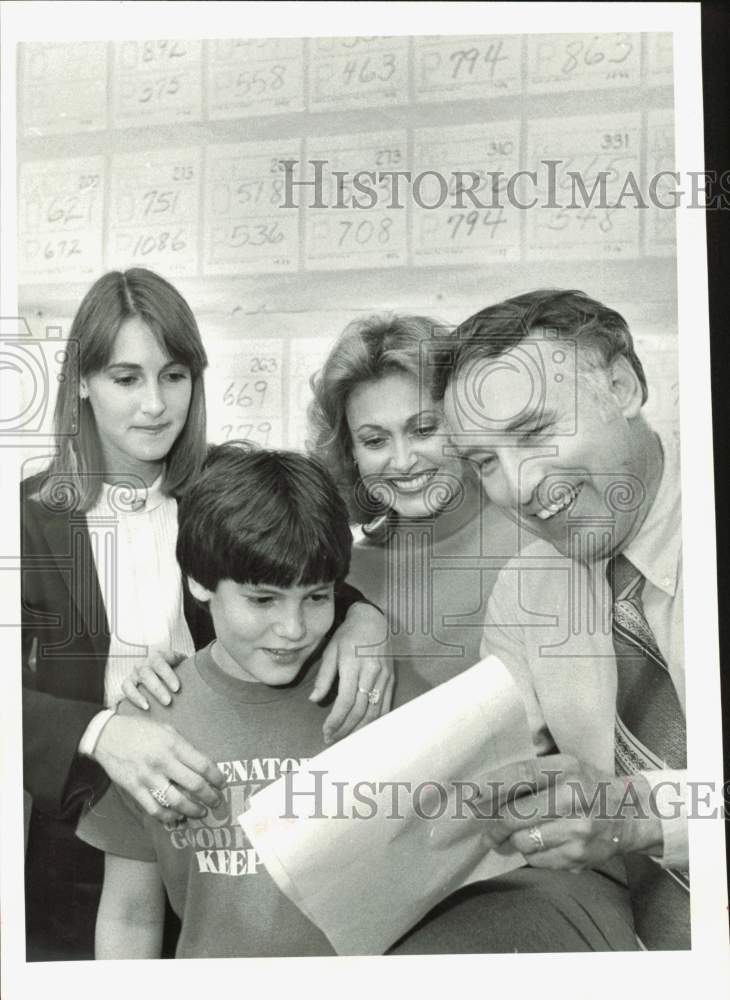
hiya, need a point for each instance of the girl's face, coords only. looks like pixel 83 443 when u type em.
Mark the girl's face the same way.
pixel 140 401
pixel 399 444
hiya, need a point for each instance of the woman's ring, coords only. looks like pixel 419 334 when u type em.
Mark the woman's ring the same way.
pixel 536 838
pixel 372 696
pixel 160 795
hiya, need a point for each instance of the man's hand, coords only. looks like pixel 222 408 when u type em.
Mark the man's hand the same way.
pixel 140 755
pixel 564 814
pixel 359 672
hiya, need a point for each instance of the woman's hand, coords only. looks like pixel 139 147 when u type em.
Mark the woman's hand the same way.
pixel 365 675
pixel 142 756
pixel 157 676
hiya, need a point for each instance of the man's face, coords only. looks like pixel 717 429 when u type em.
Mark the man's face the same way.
pixel 558 447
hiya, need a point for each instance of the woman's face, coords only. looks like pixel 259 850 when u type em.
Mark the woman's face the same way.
pixel 398 442
pixel 140 401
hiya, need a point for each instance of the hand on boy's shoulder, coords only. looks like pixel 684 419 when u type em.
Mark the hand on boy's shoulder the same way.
pixel 408 684
pixel 155 707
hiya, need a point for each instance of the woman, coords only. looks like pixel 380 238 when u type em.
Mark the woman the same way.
pixel 101 586
pixel 431 544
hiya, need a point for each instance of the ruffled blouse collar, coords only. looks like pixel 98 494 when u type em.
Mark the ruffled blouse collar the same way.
pixel 126 498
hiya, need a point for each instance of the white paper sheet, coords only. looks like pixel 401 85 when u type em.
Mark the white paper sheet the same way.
pixel 356 857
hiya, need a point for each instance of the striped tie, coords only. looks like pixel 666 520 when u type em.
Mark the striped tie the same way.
pixel 650 735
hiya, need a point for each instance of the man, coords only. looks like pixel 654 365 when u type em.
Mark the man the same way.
pixel 545 395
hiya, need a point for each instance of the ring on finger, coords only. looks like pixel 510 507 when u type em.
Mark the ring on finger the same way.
pixel 536 840
pixel 373 695
pixel 160 795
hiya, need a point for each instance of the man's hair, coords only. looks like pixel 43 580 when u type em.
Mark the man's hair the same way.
pixel 601 334
pixel 263 517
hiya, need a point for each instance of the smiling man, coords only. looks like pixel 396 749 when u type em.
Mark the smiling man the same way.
pixel 545 396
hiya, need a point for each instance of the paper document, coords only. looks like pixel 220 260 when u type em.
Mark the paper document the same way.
pixel 348 837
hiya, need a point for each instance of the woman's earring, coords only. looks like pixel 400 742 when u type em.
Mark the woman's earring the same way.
pixel 83 391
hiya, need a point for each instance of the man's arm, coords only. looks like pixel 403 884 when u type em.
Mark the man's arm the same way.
pixel 643 813
pixel 668 801
pixel 131 914
pixel 508 644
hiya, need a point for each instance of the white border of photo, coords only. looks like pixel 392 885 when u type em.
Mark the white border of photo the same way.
pixel 536 976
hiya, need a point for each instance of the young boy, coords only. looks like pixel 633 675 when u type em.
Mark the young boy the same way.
pixel 263 539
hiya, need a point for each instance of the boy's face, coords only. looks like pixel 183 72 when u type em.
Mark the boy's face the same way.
pixel 265 633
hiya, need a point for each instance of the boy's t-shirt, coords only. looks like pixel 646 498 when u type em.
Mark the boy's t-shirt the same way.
pixel 227 903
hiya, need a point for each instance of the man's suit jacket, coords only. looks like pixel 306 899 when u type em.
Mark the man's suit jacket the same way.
pixel 65 645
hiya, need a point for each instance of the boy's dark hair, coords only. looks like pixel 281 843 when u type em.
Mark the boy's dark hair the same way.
pixel 263 517
pixel 602 334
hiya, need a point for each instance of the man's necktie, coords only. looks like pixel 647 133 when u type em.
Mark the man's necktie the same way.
pixel 650 735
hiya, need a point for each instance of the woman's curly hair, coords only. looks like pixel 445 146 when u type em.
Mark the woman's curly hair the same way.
pixel 367 350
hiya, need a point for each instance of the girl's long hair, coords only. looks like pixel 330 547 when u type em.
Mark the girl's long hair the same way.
pixel 77 470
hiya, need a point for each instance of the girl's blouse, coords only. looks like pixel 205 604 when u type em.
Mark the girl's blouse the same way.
pixel 133 534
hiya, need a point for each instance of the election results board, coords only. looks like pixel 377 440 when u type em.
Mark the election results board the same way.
pixel 287 186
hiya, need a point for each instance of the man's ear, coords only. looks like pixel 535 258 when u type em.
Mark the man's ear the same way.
pixel 626 387
pixel 198 590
